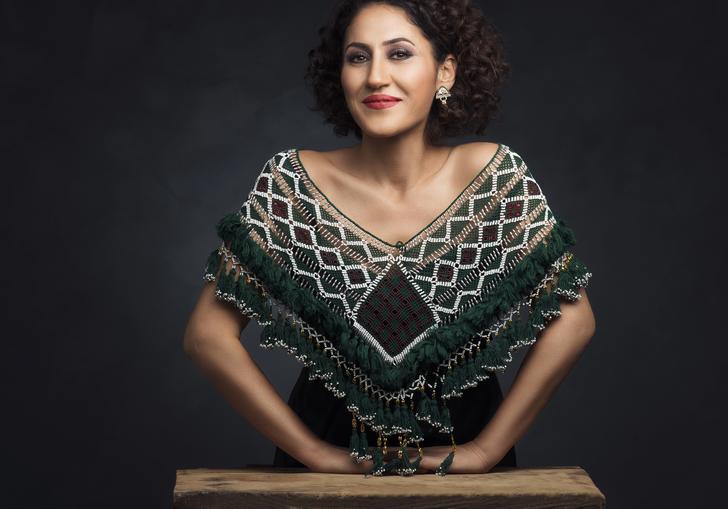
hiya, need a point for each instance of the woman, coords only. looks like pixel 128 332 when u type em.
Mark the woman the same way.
pixel 402 75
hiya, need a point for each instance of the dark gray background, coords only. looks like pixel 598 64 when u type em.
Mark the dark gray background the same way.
pixel 129 128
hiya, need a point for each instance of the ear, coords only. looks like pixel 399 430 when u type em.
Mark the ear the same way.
pixel 446 72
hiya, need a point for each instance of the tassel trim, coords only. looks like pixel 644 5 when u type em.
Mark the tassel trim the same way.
pixel 543 305
pixel 436 347
pixel 246 277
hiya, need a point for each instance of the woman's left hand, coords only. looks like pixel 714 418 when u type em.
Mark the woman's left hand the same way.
pixel 468 459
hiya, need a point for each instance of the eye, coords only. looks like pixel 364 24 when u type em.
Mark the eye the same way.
pixel 353 56
pixel 399 54
pixel 402 52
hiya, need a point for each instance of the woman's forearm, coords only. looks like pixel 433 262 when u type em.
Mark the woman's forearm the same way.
pixel 546 364
pixel 227 363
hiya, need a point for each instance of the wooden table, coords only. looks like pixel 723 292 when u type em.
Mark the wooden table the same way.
pixel 533 488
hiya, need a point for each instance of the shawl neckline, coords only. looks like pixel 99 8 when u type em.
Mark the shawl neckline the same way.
pixel 366 235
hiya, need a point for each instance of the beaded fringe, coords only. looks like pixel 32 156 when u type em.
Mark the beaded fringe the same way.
pixel 247 278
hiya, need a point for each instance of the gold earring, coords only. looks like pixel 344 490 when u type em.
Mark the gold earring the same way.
pixel 443 93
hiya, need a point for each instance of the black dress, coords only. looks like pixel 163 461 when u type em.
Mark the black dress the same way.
pixel 328 418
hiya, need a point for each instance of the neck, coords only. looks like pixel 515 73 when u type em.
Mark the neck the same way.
pixel 398 163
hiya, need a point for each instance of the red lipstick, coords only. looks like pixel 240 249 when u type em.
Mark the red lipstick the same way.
pixel 380 101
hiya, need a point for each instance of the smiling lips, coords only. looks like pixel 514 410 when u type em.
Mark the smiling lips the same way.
pixel 380 101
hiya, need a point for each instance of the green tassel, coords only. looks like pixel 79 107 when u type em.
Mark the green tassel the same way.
pixel 416 463
pixel 380 416
pixel 443 423
pixel 363 446
pixel 354 444
pixel 397 418
pixel 443 468
pixel 378 467
pixel 354 441
pixel 230 224
pixel 266 336
pixel 445 465
pixel 363 355
pixel 239 290
pixel 457 379
pixel 351 400
pixel 292 337
pixel 364 453
pixel 368 407
pixel 412 426
pixel 423 407
pixel 446 385
pixel 415 429
pixel 252 297
pixel 393 465
pixel 445 419
pixel 471 372
pixel 565 280
pixel 550 301
pixel 305 347
pixel 537 318
pixel 405 418
pixel 407 467
pixel 339 380
pixel 402 468
pixel 224 282
pixel 326 370
pixel 388 417
pixel 434 412
pixel 214 260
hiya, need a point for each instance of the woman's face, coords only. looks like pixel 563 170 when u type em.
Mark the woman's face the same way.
pixel 404 68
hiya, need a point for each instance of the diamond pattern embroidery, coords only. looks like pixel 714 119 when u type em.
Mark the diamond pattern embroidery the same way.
pixel 464 252
pixel 394 314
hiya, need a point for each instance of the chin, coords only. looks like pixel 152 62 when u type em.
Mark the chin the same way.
pixel 382 129
pixel 381 133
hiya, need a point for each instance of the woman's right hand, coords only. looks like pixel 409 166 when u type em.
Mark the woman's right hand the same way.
pixel 334 459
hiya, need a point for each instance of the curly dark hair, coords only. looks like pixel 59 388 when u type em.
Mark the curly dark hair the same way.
pixel 451 26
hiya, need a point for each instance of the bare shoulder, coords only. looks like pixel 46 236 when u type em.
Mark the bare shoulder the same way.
pixel 314 158
pixel 311 162
pixel 308 157
pixel 471 158
pixel 322 164
pixel 477 154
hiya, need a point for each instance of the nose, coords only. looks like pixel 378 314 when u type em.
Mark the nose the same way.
pixel 378 74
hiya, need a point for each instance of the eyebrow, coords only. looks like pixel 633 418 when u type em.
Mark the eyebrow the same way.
pixel 385 43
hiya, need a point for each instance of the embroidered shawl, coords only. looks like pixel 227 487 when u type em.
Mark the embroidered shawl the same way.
pixel 397 329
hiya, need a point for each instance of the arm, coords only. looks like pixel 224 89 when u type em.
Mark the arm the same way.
pixel 545 366
pixel 543 369
pixel 212 341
